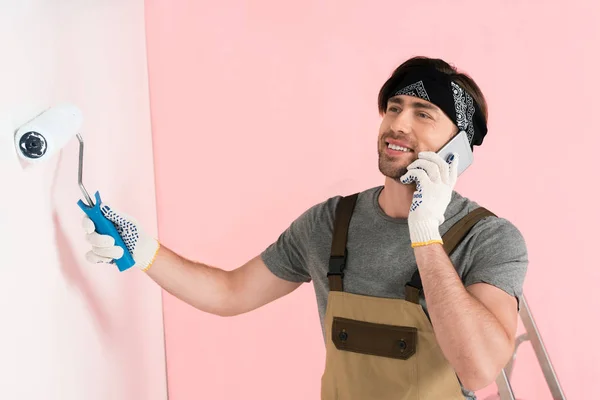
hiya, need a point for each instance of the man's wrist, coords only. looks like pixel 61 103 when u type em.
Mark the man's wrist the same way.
pixel 145 255
pixel 424 233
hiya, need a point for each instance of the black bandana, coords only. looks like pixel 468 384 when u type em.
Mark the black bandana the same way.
pixel 437 88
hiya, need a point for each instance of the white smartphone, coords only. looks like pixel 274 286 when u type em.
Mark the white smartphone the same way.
pixel 458 144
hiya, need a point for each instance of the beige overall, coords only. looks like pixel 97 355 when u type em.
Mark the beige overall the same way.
pixel 382 348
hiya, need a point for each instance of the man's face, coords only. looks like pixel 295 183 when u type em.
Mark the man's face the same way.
pixel 410 125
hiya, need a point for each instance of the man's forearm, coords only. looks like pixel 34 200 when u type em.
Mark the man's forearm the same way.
pixel 204 287
pixel 470 336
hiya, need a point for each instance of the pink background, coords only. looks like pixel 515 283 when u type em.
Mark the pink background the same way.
pixel 262 109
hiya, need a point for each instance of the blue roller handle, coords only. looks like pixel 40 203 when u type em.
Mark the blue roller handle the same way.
pixel 105 227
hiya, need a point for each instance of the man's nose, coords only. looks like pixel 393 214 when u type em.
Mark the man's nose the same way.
pixel 402 122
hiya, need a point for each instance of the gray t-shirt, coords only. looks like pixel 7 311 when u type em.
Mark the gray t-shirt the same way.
pixel 380 257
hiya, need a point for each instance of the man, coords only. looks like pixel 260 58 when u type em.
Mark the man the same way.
pixel 405 313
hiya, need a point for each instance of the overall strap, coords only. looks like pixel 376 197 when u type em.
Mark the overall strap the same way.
pixel 451 239
pixel 339 252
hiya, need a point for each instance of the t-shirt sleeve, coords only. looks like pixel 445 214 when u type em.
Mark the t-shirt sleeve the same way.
pixel 287 256
pixel 499 256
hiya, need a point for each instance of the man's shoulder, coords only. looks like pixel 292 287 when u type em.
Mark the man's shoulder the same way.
pixel 493 252
pixel 493 229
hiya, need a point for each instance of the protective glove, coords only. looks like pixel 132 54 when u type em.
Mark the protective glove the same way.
pixel 435 179
pixel 142 246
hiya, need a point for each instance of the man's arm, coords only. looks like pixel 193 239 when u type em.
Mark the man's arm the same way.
pixel 217 291
pixel 210 289
pixel 474 326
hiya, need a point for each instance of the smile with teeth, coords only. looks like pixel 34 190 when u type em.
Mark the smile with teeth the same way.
pixel 398 148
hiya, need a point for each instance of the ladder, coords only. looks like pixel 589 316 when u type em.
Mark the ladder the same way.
pixel 505 391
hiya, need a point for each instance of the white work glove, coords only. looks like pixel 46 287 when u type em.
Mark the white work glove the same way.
pixel 435 179
pixel 142 247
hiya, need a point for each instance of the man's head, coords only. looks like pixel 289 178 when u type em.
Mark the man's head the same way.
pixel 424 104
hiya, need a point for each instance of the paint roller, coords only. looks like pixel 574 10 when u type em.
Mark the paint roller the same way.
pixel 46 134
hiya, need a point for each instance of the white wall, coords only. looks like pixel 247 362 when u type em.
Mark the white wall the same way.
pixel 73 330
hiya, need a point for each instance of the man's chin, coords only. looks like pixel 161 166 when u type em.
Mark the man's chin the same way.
pixel 392 173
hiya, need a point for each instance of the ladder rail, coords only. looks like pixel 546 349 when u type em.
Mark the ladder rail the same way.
pixel 504 388
pixel 540 351
pixel 532 335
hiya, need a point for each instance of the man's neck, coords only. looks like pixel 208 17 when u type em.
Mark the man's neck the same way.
pixel 395 198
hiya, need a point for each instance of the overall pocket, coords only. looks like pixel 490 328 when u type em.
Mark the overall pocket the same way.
pixel 374 361
pixel 381 340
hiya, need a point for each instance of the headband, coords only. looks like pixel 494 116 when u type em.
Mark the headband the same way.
pixel 437 88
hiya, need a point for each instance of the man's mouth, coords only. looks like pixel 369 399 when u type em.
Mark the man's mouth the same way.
pixel 397 146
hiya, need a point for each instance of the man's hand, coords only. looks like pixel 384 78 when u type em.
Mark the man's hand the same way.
pixel 142 247
pixel 435 179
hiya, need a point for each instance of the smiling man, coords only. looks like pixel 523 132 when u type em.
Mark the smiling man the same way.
pixel 417 286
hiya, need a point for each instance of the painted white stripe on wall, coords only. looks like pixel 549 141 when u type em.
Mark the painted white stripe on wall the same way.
pixel 72 330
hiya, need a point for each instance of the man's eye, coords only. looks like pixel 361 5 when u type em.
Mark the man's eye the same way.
pixel 393 109
pixel 423 115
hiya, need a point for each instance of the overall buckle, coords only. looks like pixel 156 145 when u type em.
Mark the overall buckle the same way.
pixel 337 265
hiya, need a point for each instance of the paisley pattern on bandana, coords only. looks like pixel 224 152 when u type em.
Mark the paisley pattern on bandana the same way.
pixel 463 103
pixel 416 90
